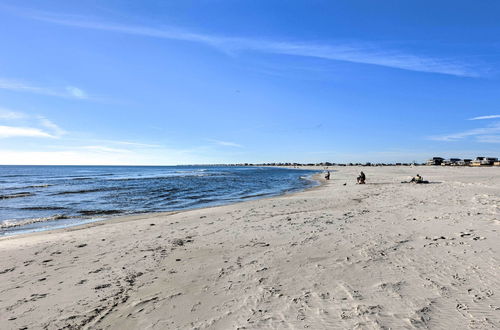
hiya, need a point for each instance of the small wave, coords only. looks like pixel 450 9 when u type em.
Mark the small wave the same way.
pixel 165 177
pixel 97 174
pixel 208 200
pixel 99 212
pixel 89 172
pixel 39 186
pixel 169 194
pixel 195 196
pixel 85 191
pixel 14 175
pixel 18 223
pixel 192 171
pixel 29 187
pixel 42 208
pixel 255 195
pixel 308 178
pixel 83 178
pixel 17 195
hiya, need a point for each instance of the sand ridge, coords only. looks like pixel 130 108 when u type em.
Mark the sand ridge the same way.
pixel 376 256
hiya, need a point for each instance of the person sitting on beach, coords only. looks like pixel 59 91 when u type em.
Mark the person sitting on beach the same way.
pixel 327 175
pixel 361 178
pixel 417 179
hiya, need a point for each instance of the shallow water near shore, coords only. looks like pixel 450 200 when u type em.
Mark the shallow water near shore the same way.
pixel 34 198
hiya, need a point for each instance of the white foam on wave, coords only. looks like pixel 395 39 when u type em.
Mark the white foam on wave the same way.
pixel 159 177
pixel 18 223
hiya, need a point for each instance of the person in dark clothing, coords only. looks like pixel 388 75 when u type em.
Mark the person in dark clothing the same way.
pixel 327 175
pixel 418 179
pixel 361 178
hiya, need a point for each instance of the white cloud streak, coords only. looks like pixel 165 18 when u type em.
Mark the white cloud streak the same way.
pixel 105 149
pixel 67 92
pixel 76 92
pixel 348 52
pixel 51 126
pixel 226 143
pixel 99 155
pixel 48 128
pixel 6 114
pixel 485 117
pixel 12 131
pixel 132 144
pixel 489 139
pixel 483 134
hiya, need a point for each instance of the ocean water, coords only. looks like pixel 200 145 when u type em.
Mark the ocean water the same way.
pixel 34 198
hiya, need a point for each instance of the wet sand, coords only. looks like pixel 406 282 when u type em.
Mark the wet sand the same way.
pixel 376 256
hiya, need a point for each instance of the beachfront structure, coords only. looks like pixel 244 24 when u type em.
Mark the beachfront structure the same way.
pixel 451 162
pixel 477 161
pixel 435 161
pixel 465 162
pixel 489 161
pixel 484 161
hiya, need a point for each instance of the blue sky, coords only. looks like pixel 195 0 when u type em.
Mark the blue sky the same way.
pixel 185 82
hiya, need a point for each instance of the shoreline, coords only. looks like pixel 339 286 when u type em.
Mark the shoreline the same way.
pixel 123 218
pixel 384 254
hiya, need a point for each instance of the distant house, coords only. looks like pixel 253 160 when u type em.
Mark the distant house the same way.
pixel 477 161
pixel 465 162
pixel 435 161
pixel 451 162
pixel 488 161
pixel 484 161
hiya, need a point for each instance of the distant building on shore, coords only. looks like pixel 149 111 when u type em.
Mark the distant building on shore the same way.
pixel 435 161
pixel 464 162
pixel 489 161
pixel 451 162
pixel 479 161
pixel 484 161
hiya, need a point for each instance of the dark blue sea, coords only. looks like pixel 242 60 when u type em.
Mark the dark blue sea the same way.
pixel 34 198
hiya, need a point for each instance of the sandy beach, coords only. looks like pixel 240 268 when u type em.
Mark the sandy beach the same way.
pixel 384 255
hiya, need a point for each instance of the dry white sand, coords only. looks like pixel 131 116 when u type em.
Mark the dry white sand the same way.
pixel 376 256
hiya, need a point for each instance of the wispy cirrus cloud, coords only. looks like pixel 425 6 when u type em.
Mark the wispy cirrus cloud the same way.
pixel 132 143
pixel 51 126
pixel 226 143
pixel 105 149
pixel 489 138
pixel 483 134
pixel 39 126
pixel 485 117
pixel 14 131
pixel 65 92
pixel 353 52
pixel 7 114
pixel 76 92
